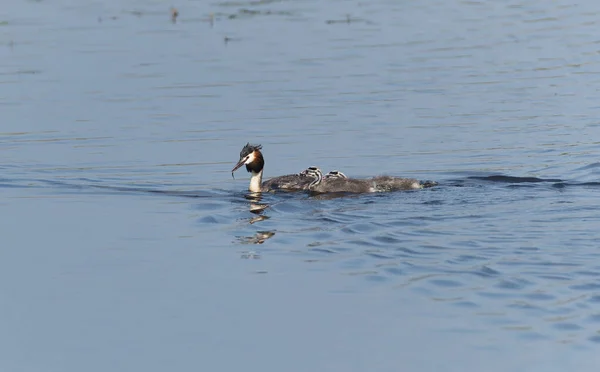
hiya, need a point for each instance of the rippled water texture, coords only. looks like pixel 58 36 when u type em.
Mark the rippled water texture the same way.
pixel 127 245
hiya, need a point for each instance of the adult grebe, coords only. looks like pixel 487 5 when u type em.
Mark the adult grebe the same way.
pixel 253 159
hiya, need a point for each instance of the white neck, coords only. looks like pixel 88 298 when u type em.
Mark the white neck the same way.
pixel 255 182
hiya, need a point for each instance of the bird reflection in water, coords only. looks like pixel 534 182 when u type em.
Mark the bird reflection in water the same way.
pixel 250 255
pixel 258 238
pixel 257 208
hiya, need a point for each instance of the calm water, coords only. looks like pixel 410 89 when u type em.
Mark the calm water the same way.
pixel 127 246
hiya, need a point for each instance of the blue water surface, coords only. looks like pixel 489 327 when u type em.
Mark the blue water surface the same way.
pixel 128 246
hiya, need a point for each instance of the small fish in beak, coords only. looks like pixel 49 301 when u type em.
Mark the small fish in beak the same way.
pixel 239 164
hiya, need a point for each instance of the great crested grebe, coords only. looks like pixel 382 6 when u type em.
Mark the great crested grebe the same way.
pixel 312 179
pixel 336 181
pixel 252 158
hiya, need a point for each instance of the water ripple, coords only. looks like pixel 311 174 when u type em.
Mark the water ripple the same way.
pixel 493 262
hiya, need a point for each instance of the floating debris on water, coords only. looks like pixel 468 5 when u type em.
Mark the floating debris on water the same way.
pixel 348 20
pixel 247 3
pixel 112 18
pixel 245 13
pixel 227 39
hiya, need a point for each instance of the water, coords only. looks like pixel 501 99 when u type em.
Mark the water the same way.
pixel 128 246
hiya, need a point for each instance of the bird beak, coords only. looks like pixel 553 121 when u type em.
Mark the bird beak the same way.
pixel 238 165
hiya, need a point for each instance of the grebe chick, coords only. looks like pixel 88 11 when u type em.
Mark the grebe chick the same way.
pixel 253 159
pixel 313 172
pixel 335 174
pixel 337 183
pixel 342 184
